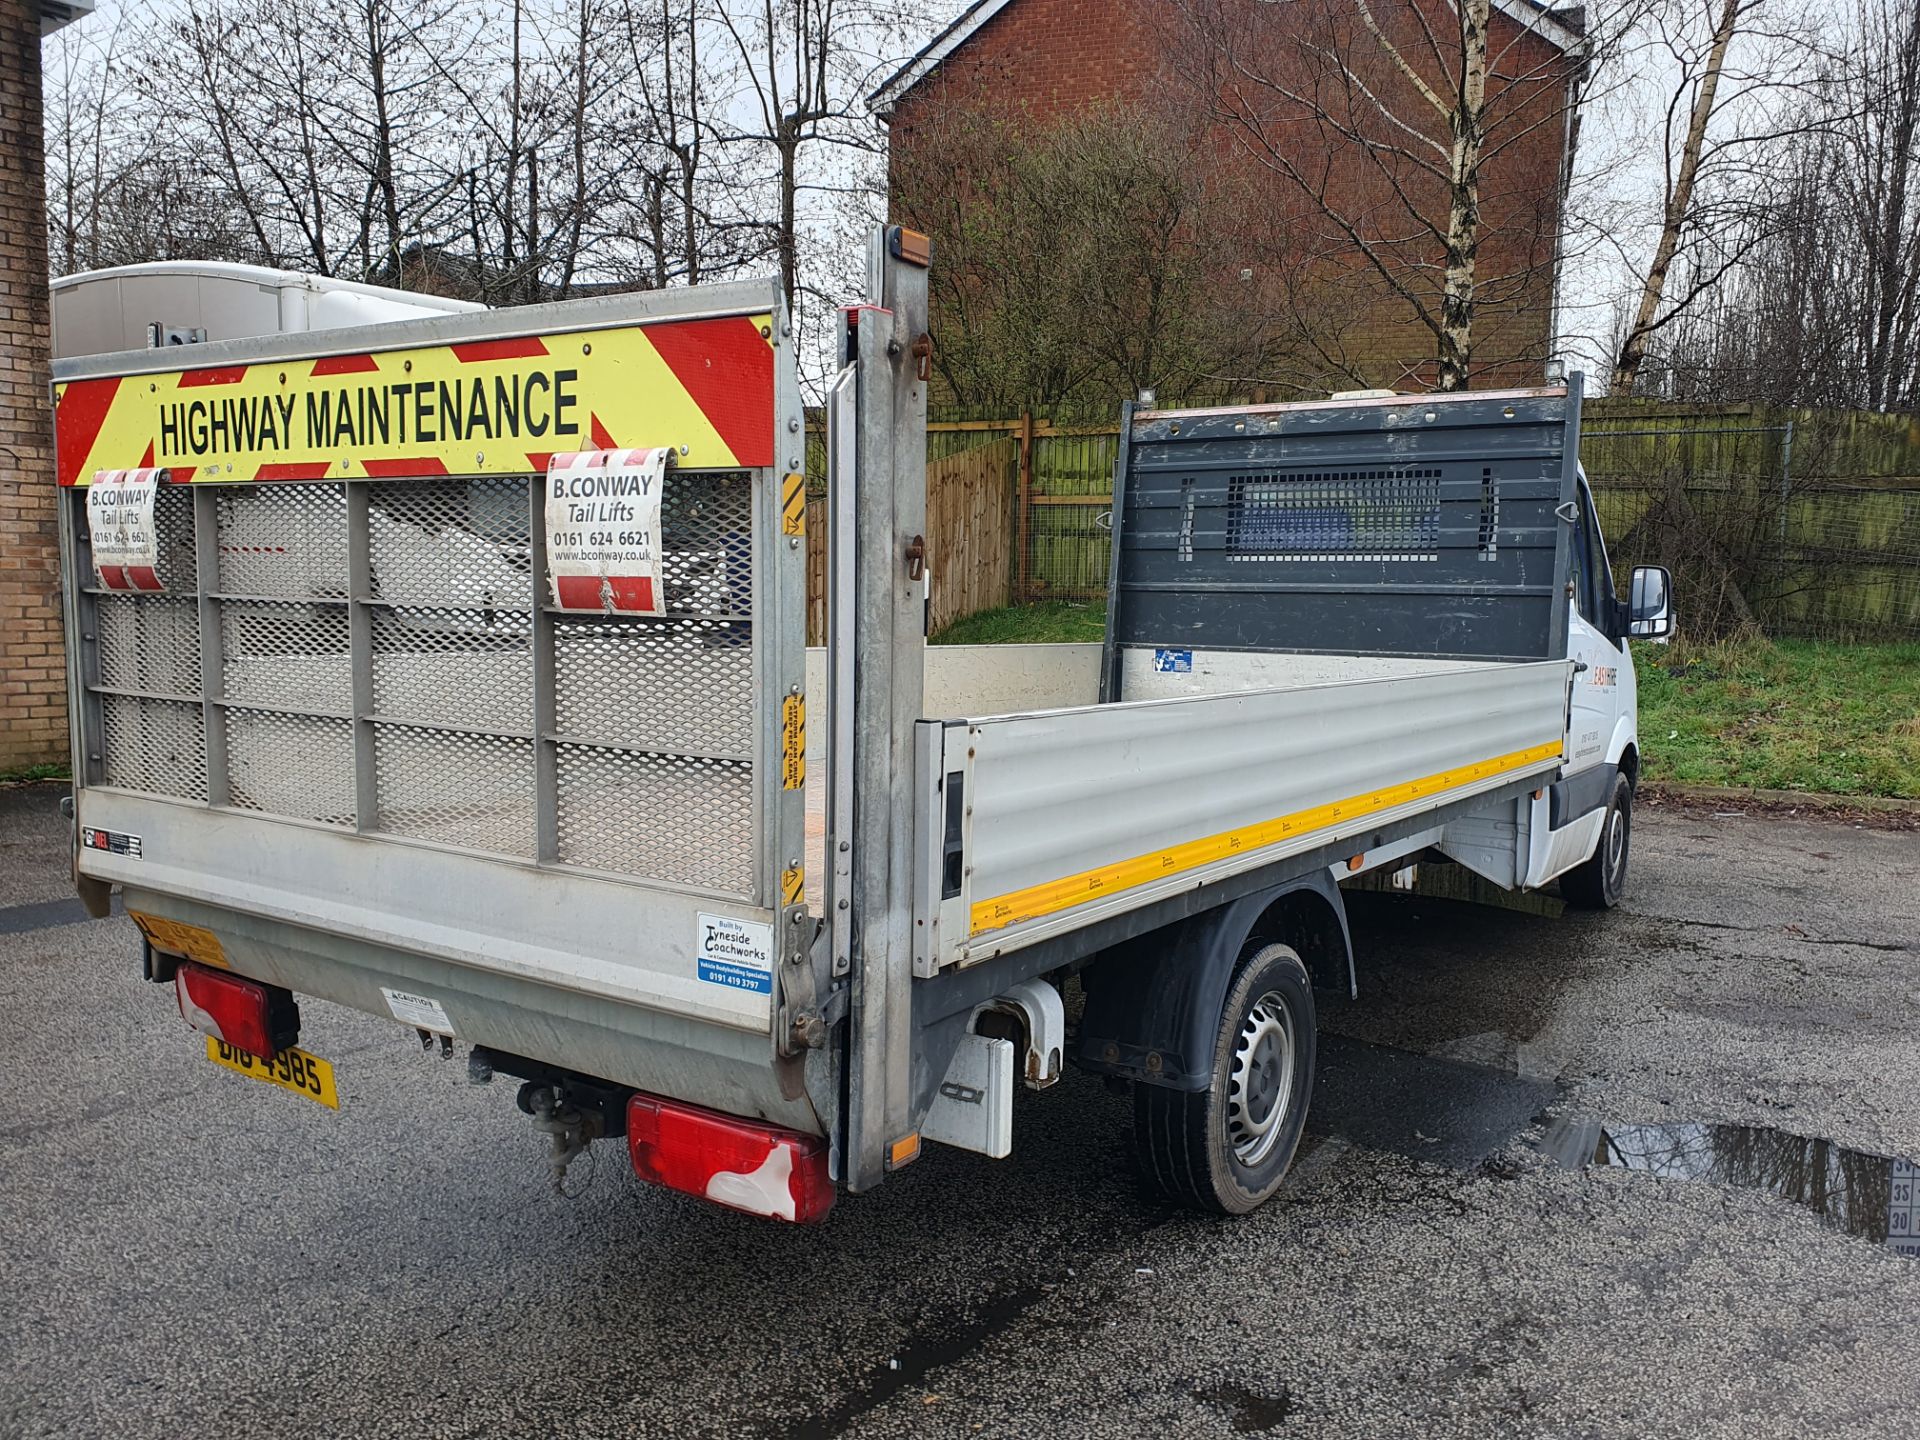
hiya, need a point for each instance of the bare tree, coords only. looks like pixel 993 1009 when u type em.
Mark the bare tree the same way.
pixel 1733 70
pixel 1394 131
pixel 1083 261
pixel 804 68
pixel 1877 178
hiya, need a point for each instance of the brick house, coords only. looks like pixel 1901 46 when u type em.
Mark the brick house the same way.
pixel 33 682
pixel 1030 63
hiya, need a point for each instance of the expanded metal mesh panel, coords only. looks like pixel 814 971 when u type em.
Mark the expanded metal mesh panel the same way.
pixel 174 562
pixel 663 817
pixel 291 765
pixel 660 684
pixel 452 543
pixel 286 655
pixel 653 719
pixel 457 667
pixel 1335 515
pixel 149 642
pixel 153 745
pixel 459 789
pixel 706 529
pixel 283 539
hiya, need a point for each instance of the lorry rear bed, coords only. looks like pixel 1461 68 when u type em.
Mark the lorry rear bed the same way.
pixel 344 731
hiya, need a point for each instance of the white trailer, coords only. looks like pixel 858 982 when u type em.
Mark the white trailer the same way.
pixel 185 302
pixel 500 727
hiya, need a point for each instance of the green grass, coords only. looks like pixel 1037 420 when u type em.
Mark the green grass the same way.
pixel 28 773
pixel 1790 715
pixel 1053 622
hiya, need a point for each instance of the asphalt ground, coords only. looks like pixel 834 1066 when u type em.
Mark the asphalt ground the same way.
pixel 184 1251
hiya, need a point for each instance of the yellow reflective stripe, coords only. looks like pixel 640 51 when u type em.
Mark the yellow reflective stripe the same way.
pixel 1072 890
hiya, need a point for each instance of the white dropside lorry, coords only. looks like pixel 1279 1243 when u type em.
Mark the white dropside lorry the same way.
pixel 455 670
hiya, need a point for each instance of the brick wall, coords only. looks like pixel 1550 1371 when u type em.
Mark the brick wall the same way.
pixel 33 715
pixel 1037 60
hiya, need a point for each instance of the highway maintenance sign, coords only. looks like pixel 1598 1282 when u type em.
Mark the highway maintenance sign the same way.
pixel 485 407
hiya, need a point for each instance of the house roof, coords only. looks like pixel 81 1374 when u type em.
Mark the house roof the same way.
pixel 1561 29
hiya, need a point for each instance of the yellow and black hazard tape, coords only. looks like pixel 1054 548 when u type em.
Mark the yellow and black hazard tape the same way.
pixel 793 504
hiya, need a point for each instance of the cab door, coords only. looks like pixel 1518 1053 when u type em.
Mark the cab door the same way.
pixel 1602 692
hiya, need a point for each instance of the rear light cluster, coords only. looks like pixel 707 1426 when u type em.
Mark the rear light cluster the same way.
pixel 260 1019
pixel 741 1164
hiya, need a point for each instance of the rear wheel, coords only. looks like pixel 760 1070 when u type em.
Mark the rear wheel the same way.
pixel 1227 1148
pixel 1598 882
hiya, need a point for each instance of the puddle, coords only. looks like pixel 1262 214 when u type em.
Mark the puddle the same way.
pixel 920 1355
pixel 1248 1411
pixel 1854 1191
pixel 1457 1113
pixel 1452 1112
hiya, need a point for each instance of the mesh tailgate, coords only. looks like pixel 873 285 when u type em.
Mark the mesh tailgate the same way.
pixel 409 703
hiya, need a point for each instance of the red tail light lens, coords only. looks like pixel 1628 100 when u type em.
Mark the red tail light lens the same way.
pixel 741 1164
pixel 260 1019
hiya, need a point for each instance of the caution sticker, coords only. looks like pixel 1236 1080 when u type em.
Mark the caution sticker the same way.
pixel 423 1012
pixel 793 742
pixel 793 504
pixel 735 953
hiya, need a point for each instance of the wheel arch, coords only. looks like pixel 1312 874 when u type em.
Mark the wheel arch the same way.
pixel 1630 763
pixel 1153 1003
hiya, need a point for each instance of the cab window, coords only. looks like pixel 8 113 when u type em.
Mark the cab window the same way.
pixel 1592 584
pixel 1599 575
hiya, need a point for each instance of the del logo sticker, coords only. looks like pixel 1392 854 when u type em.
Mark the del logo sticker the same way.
pixel 735 953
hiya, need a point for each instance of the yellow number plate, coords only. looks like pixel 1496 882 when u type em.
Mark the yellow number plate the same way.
pixel 293 1070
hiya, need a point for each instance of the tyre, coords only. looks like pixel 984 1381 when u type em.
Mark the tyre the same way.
pixel 1598 882
pixel 1227 1149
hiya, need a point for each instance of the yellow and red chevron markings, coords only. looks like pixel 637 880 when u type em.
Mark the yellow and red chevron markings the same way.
pixel 488 407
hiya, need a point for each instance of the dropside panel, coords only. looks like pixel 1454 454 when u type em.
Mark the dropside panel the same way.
pixel 1078 814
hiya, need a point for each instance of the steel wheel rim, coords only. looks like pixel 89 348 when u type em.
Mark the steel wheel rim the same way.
pixel 1616 843
pixel 1260 1080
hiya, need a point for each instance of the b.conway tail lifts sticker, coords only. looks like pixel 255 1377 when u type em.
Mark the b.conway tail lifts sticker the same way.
pixel 120 531
pixel 603 530
pixel 735 953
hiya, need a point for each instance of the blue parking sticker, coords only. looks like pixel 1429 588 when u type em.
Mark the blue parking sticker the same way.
pixel 1173 662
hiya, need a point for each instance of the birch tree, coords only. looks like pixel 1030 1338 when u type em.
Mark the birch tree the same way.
pixel 1733 71
pixel 1815 299
pixel 1388 124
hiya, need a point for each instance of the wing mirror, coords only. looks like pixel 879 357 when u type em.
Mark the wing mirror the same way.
pixel 1650 603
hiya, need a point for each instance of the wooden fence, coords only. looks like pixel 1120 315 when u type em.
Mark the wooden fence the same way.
pixel 1017 511
pixel 970 539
